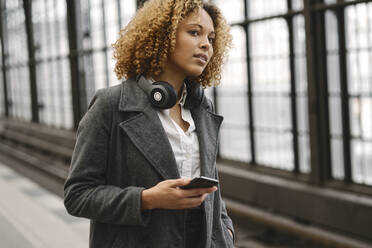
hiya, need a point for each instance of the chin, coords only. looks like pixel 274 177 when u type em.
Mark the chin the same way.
pixel 195 72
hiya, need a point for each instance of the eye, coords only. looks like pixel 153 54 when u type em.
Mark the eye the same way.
pixel 211 39
pixel 194 32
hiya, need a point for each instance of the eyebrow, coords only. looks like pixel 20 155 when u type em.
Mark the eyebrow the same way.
pixel 200 26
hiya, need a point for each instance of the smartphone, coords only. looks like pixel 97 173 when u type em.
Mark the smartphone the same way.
pixel 201 182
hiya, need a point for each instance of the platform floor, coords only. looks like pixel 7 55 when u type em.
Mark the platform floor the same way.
pixel 32 217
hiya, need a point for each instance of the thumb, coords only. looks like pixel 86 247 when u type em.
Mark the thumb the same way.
pixel 173 183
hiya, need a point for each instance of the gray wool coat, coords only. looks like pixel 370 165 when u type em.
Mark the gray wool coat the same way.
pixel 122 149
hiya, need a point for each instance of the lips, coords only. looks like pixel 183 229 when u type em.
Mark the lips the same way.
pixel 202 57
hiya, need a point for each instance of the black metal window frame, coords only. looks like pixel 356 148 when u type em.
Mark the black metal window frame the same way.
pixel 320 173
pixel 319 132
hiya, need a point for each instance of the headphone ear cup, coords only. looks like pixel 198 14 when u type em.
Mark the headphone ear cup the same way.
pixel 195 94
pixel 163 95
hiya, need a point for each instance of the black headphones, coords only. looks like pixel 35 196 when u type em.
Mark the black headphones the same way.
pixel 163 95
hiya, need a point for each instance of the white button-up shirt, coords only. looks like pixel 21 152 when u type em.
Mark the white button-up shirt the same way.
pixel 185 145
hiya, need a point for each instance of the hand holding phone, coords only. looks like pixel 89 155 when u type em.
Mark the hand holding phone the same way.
pixel 201 182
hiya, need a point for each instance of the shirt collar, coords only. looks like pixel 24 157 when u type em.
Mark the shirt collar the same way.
pixel 183 95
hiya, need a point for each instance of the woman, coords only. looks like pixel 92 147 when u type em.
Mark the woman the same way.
pixel 132 156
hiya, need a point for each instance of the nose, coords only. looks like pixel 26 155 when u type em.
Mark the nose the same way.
pixel 205 44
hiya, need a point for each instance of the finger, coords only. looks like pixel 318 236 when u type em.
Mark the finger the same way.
pixel 192 202
pixel 199 200
pixel 173 183
pixel 204 196
pixel 198 191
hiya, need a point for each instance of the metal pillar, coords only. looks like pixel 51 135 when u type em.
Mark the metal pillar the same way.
pixel 346 135
pixel 317 93
pixel 75 33
pixel 27 6
pixel 107 76
pixel 293 90
pixel 120 19
pixel 4 56
pixel 249 86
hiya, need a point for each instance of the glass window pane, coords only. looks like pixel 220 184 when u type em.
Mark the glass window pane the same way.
pixel 302 114
pixel 111 64
pixel 361 117
pixel 330 1
pixel 234 136
pixel 297 4
pixel 233 10
pixel 111 21
pixel 259 8
pixel 335 116
pixel 17 61
pixel 333 67
pixel 51 38
pixel 361 158
pixel 304 153
pixel 334 95
pixel 270 56
pixel 300 74
pixel 103 23
pixel 127 11
pixel 274 149
pixel 358 19
pixel 99 69
pixel 271 93
pixel 332 31
pixel 299 35
pixel 65 83
pixel 337 160
pixel 232 102
pixel 96 21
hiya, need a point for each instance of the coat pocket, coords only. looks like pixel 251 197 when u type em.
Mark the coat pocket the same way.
pixel 229 239
pixel 222 238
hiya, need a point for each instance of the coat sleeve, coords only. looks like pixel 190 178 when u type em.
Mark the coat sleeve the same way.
pixel 86 190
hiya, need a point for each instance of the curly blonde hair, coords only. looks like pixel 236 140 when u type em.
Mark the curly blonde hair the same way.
pixel 146 42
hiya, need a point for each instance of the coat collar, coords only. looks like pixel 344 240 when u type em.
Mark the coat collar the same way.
pixel 148 135
pixel 132 97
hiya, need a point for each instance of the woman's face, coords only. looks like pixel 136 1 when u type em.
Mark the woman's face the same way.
pixel 194 39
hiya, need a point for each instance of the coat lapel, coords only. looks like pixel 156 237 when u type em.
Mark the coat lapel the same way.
pixel 145 130
pixel 147 133
pixel 207 127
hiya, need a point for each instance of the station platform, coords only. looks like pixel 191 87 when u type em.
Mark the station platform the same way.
pixel 32 217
